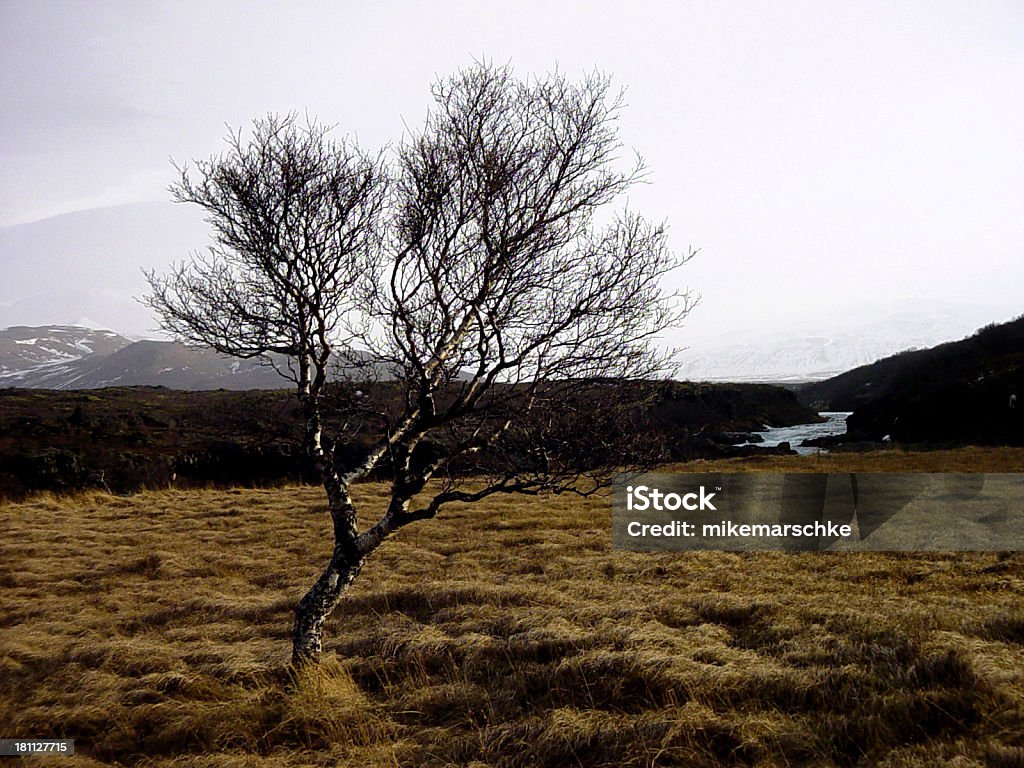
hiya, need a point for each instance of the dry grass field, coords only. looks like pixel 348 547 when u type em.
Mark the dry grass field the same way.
pixel 153 629
pixel 973 459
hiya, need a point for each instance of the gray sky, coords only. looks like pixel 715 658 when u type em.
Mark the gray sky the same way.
pixel 819 154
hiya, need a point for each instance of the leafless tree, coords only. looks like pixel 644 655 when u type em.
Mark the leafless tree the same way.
pixel 517 330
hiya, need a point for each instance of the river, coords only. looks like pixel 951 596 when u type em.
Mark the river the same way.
pixel 834 424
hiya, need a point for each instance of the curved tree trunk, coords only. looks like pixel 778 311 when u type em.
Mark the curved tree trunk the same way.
pixel 346 561
pixel 350 551
pixel 317 605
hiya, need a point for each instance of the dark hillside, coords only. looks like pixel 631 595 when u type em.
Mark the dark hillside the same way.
pixel 127 438
pixel 955 392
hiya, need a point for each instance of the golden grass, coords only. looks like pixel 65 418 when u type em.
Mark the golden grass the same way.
pixel 153 629
pixel 972 459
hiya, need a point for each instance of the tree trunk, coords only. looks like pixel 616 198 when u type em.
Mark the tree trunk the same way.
pixel 347 559
pixel 314 609
pixel 350 551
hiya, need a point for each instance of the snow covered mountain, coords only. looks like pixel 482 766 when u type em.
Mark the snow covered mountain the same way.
pixel 70 357
pixel 24 349
pixel 835 346
pixel 149 363
pixel 65 357
pixel 784 359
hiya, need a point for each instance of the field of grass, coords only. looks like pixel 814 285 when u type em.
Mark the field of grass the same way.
pixel 972 459
pixel 153 629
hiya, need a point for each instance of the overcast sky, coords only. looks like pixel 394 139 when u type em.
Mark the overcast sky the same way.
pixel 819 154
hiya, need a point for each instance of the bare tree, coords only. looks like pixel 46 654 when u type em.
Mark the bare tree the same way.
pixel 517 330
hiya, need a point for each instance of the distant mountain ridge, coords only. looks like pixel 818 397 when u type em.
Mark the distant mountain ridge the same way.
pixel 26 348
pixel 790 359
pixel 71 357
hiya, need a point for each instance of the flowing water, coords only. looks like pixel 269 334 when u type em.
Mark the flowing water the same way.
pixel 834 424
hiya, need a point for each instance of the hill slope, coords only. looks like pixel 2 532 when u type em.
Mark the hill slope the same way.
pixel 73 357
pixel 955 392
pixel 152 363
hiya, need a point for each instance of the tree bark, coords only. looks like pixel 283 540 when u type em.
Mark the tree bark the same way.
pixel 347 559
pixel 317 605
pixel 350 551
